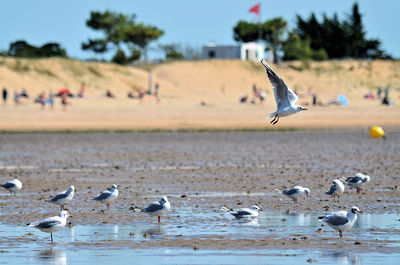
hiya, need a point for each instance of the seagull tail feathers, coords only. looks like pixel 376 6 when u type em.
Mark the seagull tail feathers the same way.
pixel 224 208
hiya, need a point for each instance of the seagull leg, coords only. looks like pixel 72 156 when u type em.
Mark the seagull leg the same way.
pixel 358 190
pixel 274 119
pixel 61 207
pixel 51 237
pixel 108 206
pixel 275 122
pixel 159 219
pixel 340 234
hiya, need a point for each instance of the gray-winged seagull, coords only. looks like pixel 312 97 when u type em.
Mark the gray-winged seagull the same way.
pixel 336 189
pixel 357 181
pixel 284 96
pixel 243 212
pixel 12 186
pixel 63 197
pixel 107 196
pixel 342 220
pixel 158 208
pixel 51 224
pixel 295 192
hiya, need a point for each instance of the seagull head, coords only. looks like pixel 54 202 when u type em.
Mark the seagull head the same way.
pixel 307 191
pixel 63 214
pixel 163 200
pixel 355 210
pixel 72 188
pixel 300 108
pixel 255 208
pixel 336 182
pixel 113 187
pixel 367 178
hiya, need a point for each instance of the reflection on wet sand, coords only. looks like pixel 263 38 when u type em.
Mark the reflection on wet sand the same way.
pixel 346 258
pixel 52 256
pixel 157 231
pixel 248 221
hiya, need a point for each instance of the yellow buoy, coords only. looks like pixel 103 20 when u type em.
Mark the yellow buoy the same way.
pixel 377 132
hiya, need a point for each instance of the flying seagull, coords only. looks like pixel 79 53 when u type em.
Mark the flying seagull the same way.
pixel 243 212
pixel 158 208
pixel 51 224
pixel 12 186
pixel 63 197
pixel 107 196
pixel 284 96
pixel 295 192
pixel 336 189
pixel 342 220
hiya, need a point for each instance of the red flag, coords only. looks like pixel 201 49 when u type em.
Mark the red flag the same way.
pixel 255 9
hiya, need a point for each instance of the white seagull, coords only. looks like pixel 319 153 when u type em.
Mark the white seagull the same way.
pixel 158 208
pixel 284 96
pixel 342 220
pixel 107 196
pixel 243 212
pixel 295 192
pixel 12 186
pixel 51 224
pixel 336 189
pixel 63 197
pixel 357 181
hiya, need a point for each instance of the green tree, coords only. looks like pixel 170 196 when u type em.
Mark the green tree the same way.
pixel 245 31
pixel 339 39
pixel 21 48
pixel 294 48
pixel 273 33
pixel 120 32
pixel 172 51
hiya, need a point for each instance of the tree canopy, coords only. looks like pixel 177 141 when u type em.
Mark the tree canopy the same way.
pixel 313 39
pixel 339 39
pixel 120 33
pixel 21 48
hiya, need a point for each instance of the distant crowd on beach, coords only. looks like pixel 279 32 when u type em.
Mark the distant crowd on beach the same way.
pixel 65 95
pixel 258 96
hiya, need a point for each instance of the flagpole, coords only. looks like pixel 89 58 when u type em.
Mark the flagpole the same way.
pixel 259 24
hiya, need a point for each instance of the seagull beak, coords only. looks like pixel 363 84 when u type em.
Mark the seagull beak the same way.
pixel 360 212
pixel 304 109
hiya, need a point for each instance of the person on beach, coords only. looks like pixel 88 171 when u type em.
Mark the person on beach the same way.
pixel 4 95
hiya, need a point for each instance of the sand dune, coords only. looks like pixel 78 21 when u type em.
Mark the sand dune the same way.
pixel 183 85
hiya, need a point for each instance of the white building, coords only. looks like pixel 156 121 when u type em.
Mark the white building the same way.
pixel 250 51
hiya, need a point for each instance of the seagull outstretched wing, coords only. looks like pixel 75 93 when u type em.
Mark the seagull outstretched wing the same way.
pixel 284 96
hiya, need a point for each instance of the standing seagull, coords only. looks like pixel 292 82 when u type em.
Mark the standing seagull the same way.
pixel 158 208
pixel 295 192
pixel 337 189
pixel 284 96
pixel 342 220
pixel 63 197
pixel 243 212
pixel 107 195
pixel 357 181
pixel 12 186
pixel 51 224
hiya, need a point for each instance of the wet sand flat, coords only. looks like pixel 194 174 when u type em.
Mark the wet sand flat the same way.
pixel 199 172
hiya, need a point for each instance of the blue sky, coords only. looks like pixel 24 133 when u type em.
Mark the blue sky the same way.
pixel 187 22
